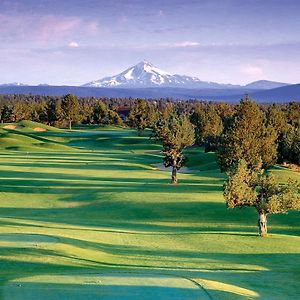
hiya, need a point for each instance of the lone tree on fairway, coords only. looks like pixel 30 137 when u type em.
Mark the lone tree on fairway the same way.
pixel 175 132
pixel 70 108
pixel 249 188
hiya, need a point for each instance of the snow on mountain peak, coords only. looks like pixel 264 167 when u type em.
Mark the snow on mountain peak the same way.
pixel 149 68
pixel 145 74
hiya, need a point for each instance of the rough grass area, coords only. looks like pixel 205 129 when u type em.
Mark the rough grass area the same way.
pixel 84 215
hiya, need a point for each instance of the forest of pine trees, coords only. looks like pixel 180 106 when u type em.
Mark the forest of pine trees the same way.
pixel 273 130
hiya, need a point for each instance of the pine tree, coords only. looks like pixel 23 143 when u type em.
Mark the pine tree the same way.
pixel 290 145
pixel 197 117
pixel 176 133
pixel 247 137
pixel 246 187
pixel 276 118
pixel 70 108
pixel 21 111
pixel 114 118
pixel 212 128
pixel 86 111
pixel 293 113
pixel 6 114
pixel 143 114
pixel 100 112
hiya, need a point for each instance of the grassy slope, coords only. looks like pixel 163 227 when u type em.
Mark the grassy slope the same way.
pixel 85 202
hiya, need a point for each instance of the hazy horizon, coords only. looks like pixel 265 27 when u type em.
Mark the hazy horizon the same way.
pixel 75 42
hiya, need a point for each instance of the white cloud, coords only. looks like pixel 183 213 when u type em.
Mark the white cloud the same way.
pixel 73 45
pixel 187 44
pixel 184 44
pixel 252 70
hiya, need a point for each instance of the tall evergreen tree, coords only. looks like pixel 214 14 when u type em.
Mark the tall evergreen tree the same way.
pixel 208 126
pixel 142 114
pixel 248 138
pixel 6 113
pixel 212 128
pixel 51 111
pixel 293 113
pixel 276 118
pixel 290 145
pixel 70 108
pixel 100 112
pixel 114 118
pixel 197 117
pixel 138 116
pixel 86 112
pixel 22 111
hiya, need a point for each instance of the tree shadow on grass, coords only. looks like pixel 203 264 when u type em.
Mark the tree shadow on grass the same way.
pixel 242 270
pixel 131 214
pixel 100 201
pixel 111 291
pixel 48 183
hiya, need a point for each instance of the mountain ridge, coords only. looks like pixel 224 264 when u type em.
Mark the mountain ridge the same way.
pixel 145 75
pixel 280 95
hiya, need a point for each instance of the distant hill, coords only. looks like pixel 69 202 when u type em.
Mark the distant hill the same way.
pixel 282 94
pixel 145 80
pixel 265 85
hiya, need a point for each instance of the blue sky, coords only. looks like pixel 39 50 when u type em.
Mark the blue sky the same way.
pixel 74 42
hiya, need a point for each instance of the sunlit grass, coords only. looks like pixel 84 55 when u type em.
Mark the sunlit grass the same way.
pixel 91 202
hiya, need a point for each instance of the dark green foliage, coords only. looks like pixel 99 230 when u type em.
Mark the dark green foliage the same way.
pixel 100 112
pixel 290 145
pixel 142 114
pixel 276 118
pixel 245 187
pixel 248 138
pixel 212 128
pixel 208 126
pixel 238 189
pixel 175 132
pixel 113 118
pixel 138 117
pixel 51 112
pixel 70 109
pixel 225 111
pixel 86 112
pixel 293 114
pixel 6 114
pixel 196 118
pixel 21 111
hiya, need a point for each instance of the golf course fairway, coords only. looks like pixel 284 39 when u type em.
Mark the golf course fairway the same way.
pixel 85 214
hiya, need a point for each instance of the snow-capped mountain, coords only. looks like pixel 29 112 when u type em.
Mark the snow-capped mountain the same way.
pixel 145 74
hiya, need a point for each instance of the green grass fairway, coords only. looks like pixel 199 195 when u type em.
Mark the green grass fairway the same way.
pixel 85 215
